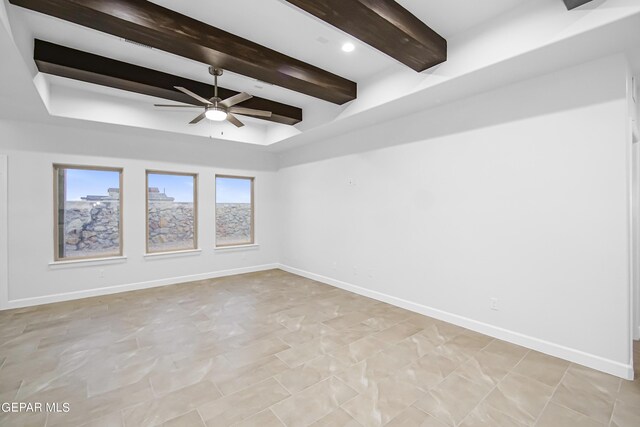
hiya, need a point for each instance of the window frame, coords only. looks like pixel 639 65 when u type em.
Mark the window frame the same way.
pixel 56 209
pixel 253 211
pixel 194 175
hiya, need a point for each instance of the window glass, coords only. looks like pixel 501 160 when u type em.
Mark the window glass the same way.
pixel 88 212
pixel 171 212
pixel 234 211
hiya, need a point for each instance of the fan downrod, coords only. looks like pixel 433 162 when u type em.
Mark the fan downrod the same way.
pixel 215 72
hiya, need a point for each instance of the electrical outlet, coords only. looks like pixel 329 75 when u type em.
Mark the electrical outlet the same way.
pixel 493 304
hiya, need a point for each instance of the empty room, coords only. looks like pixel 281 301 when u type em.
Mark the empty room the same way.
pixel 296 213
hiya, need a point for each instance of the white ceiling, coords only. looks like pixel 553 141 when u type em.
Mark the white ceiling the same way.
pixel 450 18
pixel 289 30
pixel 282 27
pixel 272 23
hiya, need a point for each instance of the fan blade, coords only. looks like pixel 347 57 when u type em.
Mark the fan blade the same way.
pixel 198 119
pixel 233 119
pixel 193 95
pixel 176 106
pixel 235 99
pixel 250 112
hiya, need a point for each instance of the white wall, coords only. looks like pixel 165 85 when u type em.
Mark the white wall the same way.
pixel 33 148
pixel 634 112
pixel 635 259
pixel 633 95
pixel 519 194
pixel 4 248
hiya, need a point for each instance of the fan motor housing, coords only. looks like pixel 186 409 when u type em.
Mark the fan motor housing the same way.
pixel 215 71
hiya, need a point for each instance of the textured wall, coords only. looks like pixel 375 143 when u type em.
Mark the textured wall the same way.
pixel 233 223
pixel 91 228
pixel 171 226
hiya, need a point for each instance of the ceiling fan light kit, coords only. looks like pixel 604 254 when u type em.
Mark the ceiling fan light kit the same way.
pixel 215 114
pixel 216 109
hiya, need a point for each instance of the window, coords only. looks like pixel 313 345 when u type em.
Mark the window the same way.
pixel 234 211
pixel 171 212
pixel 88 212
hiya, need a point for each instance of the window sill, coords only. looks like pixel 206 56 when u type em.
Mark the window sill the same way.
pixel 87 262
pixel 173 254
pixel 237 247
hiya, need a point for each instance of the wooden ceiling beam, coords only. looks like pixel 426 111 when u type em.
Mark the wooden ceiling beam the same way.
pixel 572 4
pixel 161 28
pixel 63 61
pixel 384 25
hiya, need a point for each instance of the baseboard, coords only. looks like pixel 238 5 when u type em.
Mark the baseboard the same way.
pixel 576 356
pixel 69 296
pixel 557 350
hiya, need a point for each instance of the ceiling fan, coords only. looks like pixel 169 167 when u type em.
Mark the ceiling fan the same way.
pixel 217 109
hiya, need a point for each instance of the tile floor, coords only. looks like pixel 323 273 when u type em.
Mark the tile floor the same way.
pixel 272 349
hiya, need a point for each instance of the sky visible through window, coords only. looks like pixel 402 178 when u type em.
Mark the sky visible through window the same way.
pixel 233 190
pixel 179 187
pixel 83 183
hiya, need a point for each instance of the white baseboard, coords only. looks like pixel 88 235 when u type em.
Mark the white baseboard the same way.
pixel 557 350
pixel 48 299
pixel 590 360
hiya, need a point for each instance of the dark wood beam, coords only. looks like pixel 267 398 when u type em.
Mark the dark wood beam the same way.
pixel 384 25
pixel 74 64
pixel 161 28
pixel 572 4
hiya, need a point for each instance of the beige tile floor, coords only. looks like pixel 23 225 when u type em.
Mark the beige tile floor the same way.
pixel 272 349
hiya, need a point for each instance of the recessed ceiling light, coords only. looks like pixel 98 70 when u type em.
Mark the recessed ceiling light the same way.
pixel 348 47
